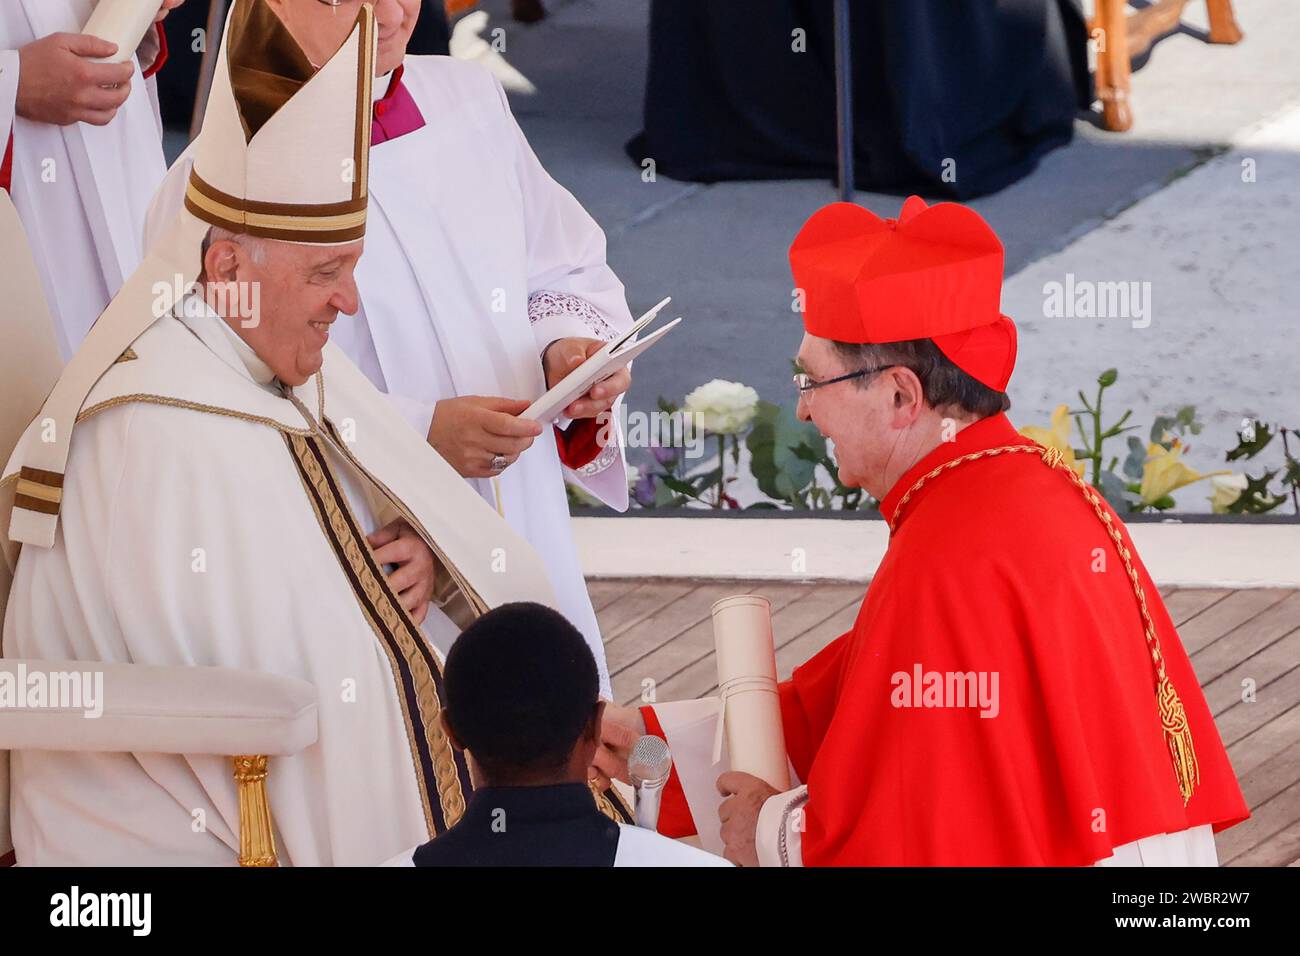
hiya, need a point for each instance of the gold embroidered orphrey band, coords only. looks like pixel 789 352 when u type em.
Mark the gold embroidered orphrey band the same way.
pixel 326 500
pixel 441 771
pixel 415 669
pixel 1173 718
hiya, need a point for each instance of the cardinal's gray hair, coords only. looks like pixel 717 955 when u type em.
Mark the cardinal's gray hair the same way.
pixel 946 386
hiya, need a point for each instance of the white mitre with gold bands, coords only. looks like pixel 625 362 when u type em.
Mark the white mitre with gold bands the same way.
pixel 283 155
pixel 278 189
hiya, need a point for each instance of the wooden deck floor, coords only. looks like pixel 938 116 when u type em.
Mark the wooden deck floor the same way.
pixel 660 630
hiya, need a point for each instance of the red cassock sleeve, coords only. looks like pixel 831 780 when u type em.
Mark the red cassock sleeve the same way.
pixel 578 443
pixel 808 703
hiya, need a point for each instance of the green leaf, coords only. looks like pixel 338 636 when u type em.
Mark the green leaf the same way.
pixel 1137 456
pixel 664 497
pixel 1116 492
pixel 1162 424
pixel 708 479
pixel 1249 449
pixel 761 442
pixel 679 486
pixel 1255 498
pixel 1292 474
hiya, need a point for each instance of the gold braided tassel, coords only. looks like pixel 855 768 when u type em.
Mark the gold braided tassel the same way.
pixel 1178 734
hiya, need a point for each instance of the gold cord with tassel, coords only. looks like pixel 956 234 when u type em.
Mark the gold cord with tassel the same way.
pixel 1173 718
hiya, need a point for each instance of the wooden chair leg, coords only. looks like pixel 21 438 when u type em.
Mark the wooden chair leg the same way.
pixel 1113 68
pixel 1223 25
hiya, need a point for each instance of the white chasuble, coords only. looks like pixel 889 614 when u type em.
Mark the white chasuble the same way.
pixel 209 518
pixel 475 260
pixel 81 191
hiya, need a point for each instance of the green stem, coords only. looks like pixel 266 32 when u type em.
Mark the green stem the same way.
pixel 1096 437
pixel 722 467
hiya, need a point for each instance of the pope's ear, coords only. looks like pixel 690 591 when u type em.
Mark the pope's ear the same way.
pixel 221 261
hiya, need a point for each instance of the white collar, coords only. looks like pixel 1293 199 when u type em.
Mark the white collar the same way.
pixel 216 333
pixel 382 83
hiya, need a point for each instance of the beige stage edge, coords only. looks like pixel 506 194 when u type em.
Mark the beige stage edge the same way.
pixel 1228 555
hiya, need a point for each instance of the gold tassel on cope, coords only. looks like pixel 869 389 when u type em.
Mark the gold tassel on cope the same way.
pixel 1173 721
pixel 256 835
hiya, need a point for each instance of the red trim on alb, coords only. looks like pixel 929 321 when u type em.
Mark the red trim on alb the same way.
pixel 675 818
pixel 162 53
pixel 7 166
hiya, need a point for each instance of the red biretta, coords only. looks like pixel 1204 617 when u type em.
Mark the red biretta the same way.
pixel 1008 580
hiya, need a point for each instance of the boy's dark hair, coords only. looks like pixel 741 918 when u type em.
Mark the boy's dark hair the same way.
pixel 946 386
pixel 521 685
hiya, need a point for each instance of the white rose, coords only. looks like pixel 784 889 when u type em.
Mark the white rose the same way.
pixel 1227 489
pixel 723 408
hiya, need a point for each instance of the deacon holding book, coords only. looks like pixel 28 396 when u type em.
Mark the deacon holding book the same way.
pixel 1013 691
pixel 81 144
pixel 236 493
pixel 484 282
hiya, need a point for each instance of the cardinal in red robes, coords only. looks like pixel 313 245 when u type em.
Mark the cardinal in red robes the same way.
pixel 1013 691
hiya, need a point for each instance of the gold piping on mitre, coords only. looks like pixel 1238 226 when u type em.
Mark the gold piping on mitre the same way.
pixel 251 172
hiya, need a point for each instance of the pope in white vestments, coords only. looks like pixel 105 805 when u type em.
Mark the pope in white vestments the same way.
pixel 476 262
pixel 214 503
pixel 81 161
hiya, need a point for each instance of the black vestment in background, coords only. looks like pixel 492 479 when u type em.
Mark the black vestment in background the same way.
pixel 989 84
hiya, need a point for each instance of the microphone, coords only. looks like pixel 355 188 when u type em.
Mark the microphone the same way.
pixel 648 767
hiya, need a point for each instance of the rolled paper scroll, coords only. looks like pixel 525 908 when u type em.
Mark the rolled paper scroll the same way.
pixel 124 22
pixel 751 708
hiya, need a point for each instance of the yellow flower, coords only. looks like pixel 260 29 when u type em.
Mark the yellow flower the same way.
pixel 1226 492
pixel 1165 472
pixel 1058 437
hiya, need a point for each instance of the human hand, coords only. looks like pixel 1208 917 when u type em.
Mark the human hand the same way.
pixel 413 578
pixel 564 355
pixel 472 430
pixel 58 83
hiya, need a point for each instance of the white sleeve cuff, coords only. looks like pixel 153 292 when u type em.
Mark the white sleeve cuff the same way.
pixel 9 65
pixel 549 328
pixel 779 838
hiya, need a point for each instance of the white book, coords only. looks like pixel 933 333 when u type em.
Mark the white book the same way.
pixel 614 356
